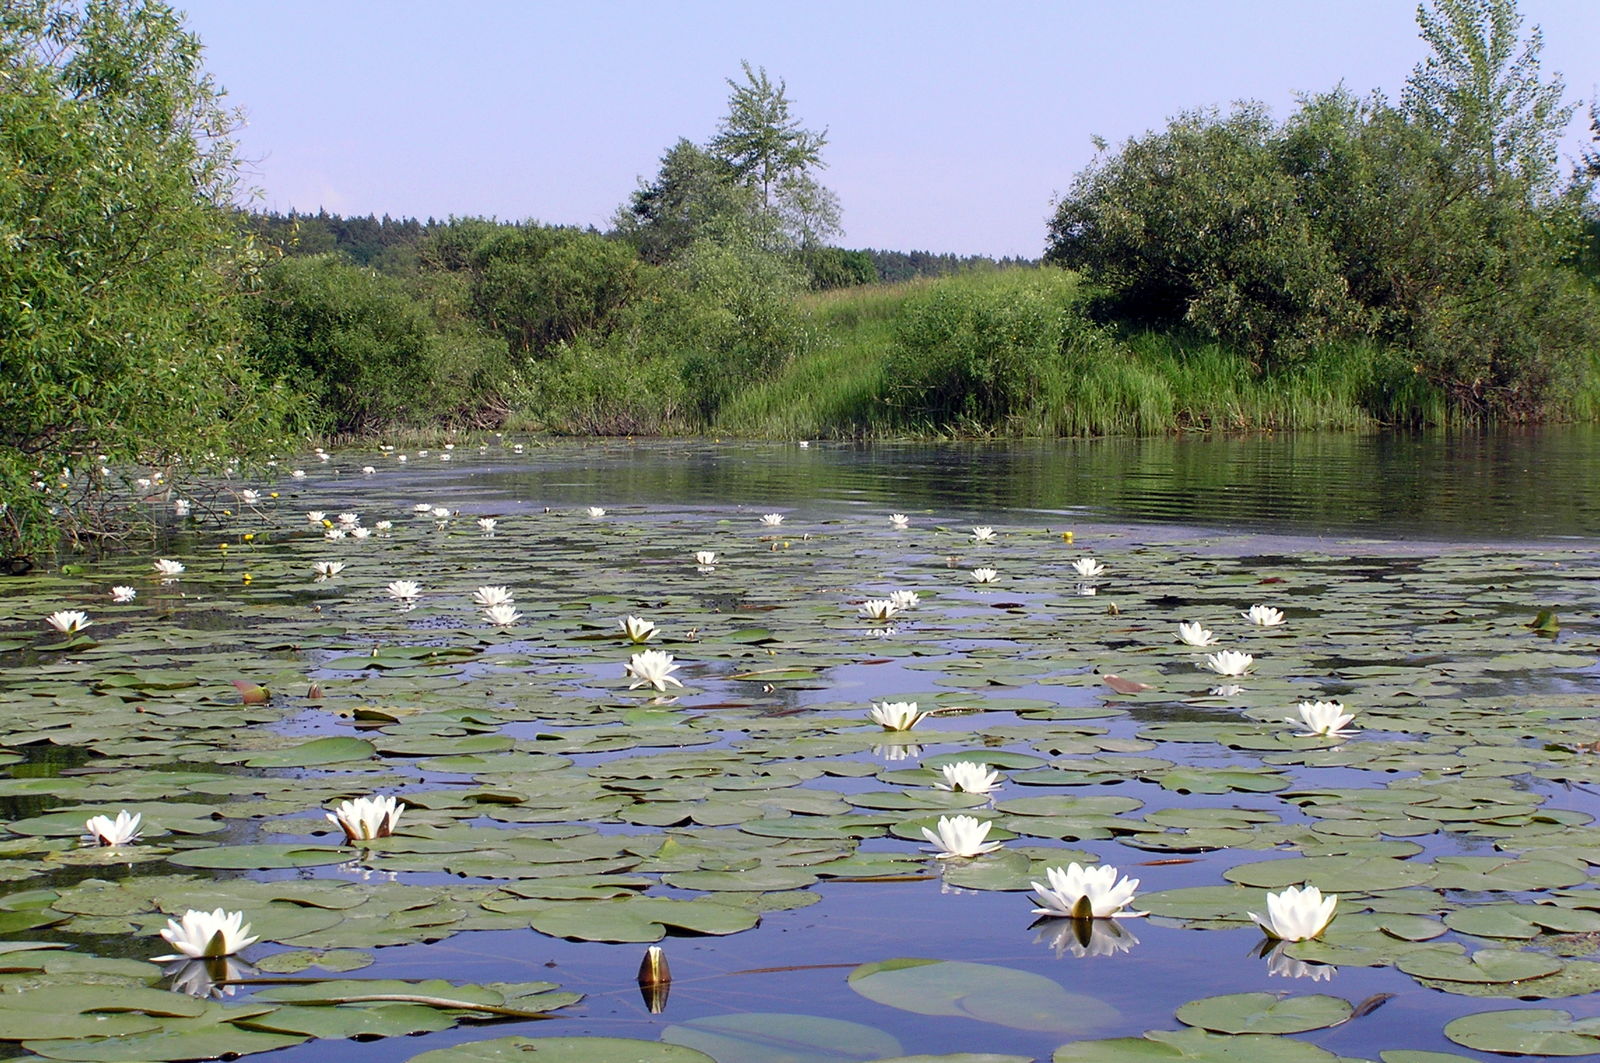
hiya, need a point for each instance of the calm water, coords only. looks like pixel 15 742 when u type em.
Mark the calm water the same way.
pixel 1260 496
pixel 1508 486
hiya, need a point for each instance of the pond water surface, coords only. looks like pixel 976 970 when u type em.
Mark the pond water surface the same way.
pixel 759 827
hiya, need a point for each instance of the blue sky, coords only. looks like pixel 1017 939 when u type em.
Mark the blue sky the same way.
pixel 951 126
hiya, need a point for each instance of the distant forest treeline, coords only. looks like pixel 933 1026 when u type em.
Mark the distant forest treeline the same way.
pixel 389 245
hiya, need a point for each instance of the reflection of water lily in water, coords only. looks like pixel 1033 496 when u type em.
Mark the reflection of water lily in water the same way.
pixel 1282 965
pixel 895 751
pixel 207 977
pixel 1085 937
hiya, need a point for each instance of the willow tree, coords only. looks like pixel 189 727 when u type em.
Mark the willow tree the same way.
pixel 120 263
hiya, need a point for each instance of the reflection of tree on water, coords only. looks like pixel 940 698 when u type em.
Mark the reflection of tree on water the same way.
pixel 1462 486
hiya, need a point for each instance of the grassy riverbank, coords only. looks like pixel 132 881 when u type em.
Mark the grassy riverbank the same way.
pixel 1004 353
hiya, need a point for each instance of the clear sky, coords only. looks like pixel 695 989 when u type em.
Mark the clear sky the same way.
pixel 951 126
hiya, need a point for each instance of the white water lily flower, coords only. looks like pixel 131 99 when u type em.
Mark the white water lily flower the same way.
pixel 440 513
pixel 486 525
pixel 298 474
pixel 489 596
pixel 652 668
pixel 502 615
pixel 423 508
pixel 1190 633
pixel 1088 567
pixel 404 590
pixel 597 512
pixel 401 458
pixel 1263 615
pixel 315 516
pixel 1085 893
pixel 204 934
pixel 326 570
pixel 705 558
pixel 168 569
pixel 103 830
pixel 904 599
pixel 895 715
pixel 123 594
pixel 985 575
pixel 181 507
pixel 982 533
pixel 349 520
pixel 368 470
pixel 899 521
pixel 637 630
pixel 249 498
pixel 878 609
pixel 334 532
pixel 772 520
pixel 1229 662
pixel 968 778
pixel 1322 718
pixel 961 836
pixel 1297 914
pixel 367 818
pixel 384 527
pixel 360 533
pixel 68 621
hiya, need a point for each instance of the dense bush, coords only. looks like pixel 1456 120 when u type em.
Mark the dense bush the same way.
pixel 1352 222
pixel 366 349
pixel 978 355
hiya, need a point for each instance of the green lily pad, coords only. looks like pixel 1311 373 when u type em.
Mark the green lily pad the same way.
pixel 1264 1013
pixel 980 991
pixel 1527 1032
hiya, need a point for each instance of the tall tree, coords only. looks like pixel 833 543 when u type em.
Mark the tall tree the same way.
pixel 119 259
pixel 1483 93
pixel 770 152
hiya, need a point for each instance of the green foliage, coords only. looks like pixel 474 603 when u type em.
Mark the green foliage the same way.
pixel 1432 228
pixel 1198 225
pixel 606 390
pixel 834 267
pixel 1484 97
pixel 970 355
pixel 537 286
pixel 366 349
pixel 119 261
pixel 695 196
pixel 769 152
